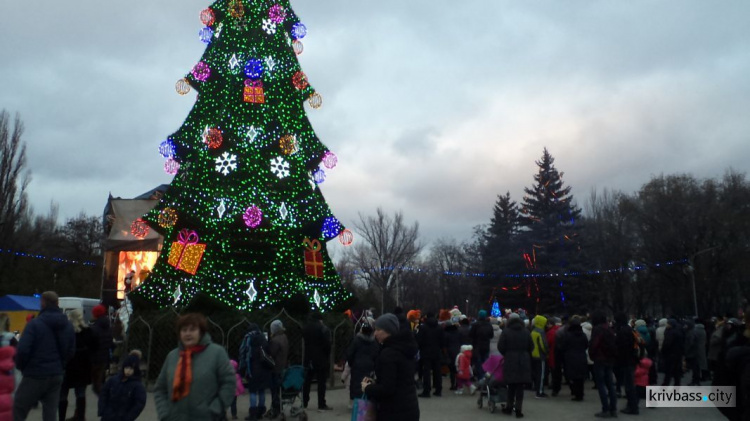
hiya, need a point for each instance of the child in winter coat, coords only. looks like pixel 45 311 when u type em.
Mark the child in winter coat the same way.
pixel 464 373
pixel 239 390
pixel 123 397
pixel 642 372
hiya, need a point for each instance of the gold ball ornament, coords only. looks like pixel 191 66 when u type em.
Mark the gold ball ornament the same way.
pixel 182 86
pixel 315 100
pixel 167 218
pixel 236 9
pixel 288 144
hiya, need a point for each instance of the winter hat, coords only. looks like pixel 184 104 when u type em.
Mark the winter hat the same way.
pixel 276 327
pixel 662 322
pixel 466 348
pixel 482 314
pixel 132 361
pixel 514 316
pixel 99 311
pixel 640 322
pixel 387 322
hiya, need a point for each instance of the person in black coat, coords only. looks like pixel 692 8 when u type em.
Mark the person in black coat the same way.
pixel 481 334
pixel 317 358
pixel 672 351
pixel 100 357
pixel 258 373
pixel 515 345
pixel 452 347
pixel 46 346
pixel 78 370
pixel 393 389
pixel 431 343
pixel 361 357
pixel 572 347
pixel 123 397
pixel 627 358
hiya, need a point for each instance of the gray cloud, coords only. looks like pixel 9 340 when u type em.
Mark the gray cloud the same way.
pixel 433 107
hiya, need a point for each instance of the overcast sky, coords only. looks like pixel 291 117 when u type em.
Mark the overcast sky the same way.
pixel 433 107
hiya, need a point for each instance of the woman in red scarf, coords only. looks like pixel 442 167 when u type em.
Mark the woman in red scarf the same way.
pixel 197 381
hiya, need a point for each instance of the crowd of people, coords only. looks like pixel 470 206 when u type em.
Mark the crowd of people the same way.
pixel 622 356
pixel 392 361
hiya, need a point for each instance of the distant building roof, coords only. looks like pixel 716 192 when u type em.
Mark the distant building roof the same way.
pixel 19 302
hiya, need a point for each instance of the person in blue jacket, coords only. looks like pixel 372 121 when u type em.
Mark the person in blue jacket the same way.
pixel 47 344
pixel 123 397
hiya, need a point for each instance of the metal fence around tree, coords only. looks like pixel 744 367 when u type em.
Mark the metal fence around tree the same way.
pixel 155 335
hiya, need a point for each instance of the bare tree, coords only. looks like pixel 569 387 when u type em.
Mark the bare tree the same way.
pixel 13 179
pixel 388 245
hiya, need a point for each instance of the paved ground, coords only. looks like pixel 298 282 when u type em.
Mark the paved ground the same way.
pixel 451 407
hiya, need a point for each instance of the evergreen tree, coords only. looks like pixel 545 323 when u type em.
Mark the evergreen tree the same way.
pixel 549 217
pixel 244 220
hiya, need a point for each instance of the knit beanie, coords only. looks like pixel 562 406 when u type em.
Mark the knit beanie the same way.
pixel 514 316
pixel 640 322
pixel 99 311
pixel 276 327
pixel 482 314
pixel 387 322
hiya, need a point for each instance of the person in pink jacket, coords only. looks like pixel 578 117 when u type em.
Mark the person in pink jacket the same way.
pixel 464 372
pixel 642 371
pixel 240 388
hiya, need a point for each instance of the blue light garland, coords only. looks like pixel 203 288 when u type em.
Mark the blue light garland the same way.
pixel 54 259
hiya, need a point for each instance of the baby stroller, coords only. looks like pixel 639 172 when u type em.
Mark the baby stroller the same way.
pixel 292 381
pixel 491 387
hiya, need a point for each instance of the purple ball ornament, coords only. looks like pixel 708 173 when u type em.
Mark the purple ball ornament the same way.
pixel 252 216
pixel 201 72
pixel 330 159
pixel 277 14
pixel 171 166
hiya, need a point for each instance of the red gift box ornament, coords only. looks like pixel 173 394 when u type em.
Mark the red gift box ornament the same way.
pixel 254 93
pixel 313 258
pixel 185 253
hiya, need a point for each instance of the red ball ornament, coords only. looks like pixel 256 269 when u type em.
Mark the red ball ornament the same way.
pixel 208 17
pixel 346 237
pixel 299 80
pixel 214 138
pixel 139 228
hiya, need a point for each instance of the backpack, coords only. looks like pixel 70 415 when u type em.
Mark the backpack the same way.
pixel 639 345
pixel 246 354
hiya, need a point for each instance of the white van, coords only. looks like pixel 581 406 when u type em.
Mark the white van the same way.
pixel 83 304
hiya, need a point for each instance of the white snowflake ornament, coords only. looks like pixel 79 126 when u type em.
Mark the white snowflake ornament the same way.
pixel 226 163
pixel 269 26
pixel 280 167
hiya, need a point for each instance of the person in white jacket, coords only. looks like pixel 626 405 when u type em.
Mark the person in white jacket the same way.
pixel 660 332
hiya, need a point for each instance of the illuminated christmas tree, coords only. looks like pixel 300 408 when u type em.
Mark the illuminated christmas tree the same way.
pixel 243 219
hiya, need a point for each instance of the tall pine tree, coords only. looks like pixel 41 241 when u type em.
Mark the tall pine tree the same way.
pixel 549 217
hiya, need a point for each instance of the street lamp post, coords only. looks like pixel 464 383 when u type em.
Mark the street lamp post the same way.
pixel 691 272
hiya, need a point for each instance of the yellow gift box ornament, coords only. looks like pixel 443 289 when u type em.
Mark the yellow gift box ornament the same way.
pixel 186 253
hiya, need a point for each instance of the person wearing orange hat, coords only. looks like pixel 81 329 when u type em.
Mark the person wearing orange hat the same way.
pixel 100 356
